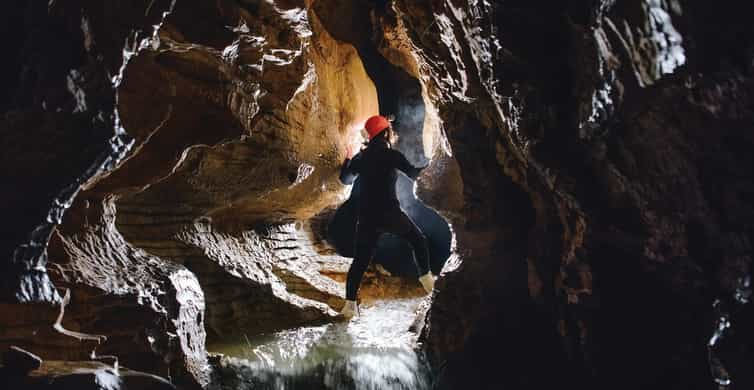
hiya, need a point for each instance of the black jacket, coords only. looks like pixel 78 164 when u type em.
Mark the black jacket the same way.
pixel 377 167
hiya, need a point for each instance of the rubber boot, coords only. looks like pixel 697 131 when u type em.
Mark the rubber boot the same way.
pixel 428 282
pixel 349 309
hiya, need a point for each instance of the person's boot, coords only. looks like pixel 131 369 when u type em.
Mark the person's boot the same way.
pixel 428 282
pixel 349 309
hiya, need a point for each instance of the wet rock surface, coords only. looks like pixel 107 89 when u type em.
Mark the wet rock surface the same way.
pixel 593 159
pixel 592 232
pixel 86 375
pixel 215 123
pixel 59 90
pixel 375 350
pixel 107 277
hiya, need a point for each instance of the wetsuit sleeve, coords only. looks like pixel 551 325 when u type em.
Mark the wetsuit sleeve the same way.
pixel 401 163
pixel 350 169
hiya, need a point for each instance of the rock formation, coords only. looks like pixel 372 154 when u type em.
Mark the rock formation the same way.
pixel 169 166
pixel 219 132
pixel 586 135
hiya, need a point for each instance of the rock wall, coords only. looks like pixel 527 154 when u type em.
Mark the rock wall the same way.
pixel 594 237
pixel 196 134
pixel 149 311
pixel 59 116
pixel 592 158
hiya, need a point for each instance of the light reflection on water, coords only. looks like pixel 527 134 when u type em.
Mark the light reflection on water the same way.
pixel 372 351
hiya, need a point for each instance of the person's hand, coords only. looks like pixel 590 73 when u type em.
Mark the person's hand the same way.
pixel 349 151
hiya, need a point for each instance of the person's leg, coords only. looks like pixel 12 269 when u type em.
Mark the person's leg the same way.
pixel 366 242
pixel 401 225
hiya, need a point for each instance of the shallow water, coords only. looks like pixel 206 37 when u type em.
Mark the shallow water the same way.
pixel 373 351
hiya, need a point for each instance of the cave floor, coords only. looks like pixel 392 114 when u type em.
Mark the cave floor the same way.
pixel 373 350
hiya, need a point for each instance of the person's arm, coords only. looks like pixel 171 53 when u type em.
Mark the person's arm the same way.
pixel 403 165
pixel 350 169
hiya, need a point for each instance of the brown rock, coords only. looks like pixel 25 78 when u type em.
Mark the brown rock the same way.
pixel 567 146
pixel 85 375
pixel 226 129
pixel 593 159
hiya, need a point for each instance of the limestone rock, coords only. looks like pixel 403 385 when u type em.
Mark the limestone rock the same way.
pixel 585 140
pixel 169 121
pixel 59 129
pixel 163 331
pixel 259 281
pixel 85 375
pixel 593 159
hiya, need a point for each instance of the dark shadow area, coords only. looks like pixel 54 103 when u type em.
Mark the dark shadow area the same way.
pixel 514 343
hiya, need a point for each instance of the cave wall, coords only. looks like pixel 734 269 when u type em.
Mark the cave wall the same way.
pixel 63 67
pixel 593 159
pixel 197 134
pixel 594 236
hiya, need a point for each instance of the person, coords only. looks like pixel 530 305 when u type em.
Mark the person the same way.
pixel 378 209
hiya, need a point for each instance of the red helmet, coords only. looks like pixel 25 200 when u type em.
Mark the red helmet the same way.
pixel 375 125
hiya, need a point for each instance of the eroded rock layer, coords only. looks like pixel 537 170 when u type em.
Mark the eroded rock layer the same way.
pixel 595 240
pixel 592 157
pixel 234 116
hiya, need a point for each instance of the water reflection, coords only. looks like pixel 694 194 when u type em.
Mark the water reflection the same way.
pixel 373 351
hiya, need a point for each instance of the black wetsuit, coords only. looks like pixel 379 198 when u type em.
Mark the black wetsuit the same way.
pixel 378 209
